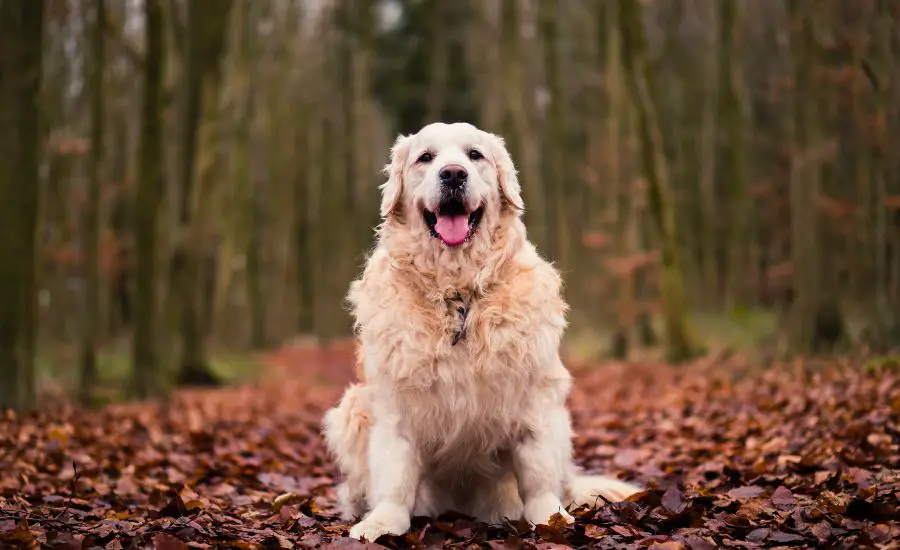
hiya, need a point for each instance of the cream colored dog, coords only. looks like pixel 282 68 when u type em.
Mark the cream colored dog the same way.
pixel 462 398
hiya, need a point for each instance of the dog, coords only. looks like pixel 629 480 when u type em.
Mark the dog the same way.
pixel 461 398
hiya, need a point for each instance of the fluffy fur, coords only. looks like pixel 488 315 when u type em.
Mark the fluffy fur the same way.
pixel 480 427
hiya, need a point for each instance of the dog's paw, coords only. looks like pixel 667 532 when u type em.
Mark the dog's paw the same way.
pixel 539 510
pixel 385 519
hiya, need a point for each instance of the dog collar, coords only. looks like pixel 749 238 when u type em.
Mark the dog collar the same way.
pixel 462 311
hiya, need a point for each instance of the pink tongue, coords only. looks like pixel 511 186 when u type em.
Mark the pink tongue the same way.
pixel 452 229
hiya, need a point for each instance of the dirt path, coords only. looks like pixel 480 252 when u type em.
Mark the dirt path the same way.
pixel 780 460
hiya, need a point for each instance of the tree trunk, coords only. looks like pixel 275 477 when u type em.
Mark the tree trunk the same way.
pixel 680 340
pixel 148 380
pixel 554 181
pixel 626 308
pixel 440 60
pixel 91 233
pixel 519 125
pixel 207 24
pixel 804 186
pixel 483 52
pixel 884 319
pixel 248 187
pixel 21 32
pixel 707 185
pixel 255 296
pixel 731 153
pixel 303 233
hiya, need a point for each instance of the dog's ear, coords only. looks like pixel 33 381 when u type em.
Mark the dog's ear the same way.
pixel 510 190
pixel 392 189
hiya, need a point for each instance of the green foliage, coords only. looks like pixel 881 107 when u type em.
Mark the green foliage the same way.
pixel 886 363
pixel 55 374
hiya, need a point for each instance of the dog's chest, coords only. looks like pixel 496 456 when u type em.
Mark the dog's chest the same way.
pixel 475 416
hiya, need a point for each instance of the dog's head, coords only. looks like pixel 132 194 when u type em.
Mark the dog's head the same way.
pixel 449 181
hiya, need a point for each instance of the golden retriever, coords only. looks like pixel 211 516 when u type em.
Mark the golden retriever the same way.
pixel 461 403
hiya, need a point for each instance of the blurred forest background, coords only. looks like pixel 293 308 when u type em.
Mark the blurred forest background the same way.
pixel 183 182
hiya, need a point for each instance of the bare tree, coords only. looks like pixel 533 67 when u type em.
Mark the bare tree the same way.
pixel 206 30
pixel 680 339
pixel 21 30
pixel 145 359
pixel 91 219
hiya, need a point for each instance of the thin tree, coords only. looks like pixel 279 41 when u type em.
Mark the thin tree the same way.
pixel 732 150
pixel 147 378
pixel 804 178
pixel 91 235
pixel 554 180
pixel 518 121
pixel 680 340
pixel 609 36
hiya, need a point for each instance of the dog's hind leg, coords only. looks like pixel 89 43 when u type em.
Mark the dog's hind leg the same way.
pixel 346 430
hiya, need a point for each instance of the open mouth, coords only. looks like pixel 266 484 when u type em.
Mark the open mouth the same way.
pixel 452 223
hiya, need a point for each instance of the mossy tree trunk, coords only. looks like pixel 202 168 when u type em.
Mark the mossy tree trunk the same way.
pixel 611 44
pixel 681 343
pixel 244 93
pixel 21 38
pixel 708 241
pixel 148 379
pixel 554 182
pixel 483 55
pixel 303 232
pixel 440 58
pixel 208 22
pixel 731 169
pixel 804 186
pixel 90 241
pixel 518 123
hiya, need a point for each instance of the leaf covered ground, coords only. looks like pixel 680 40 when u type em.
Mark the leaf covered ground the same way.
pixel 789 458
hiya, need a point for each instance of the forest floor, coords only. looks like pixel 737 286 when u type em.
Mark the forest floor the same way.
pixel 797 456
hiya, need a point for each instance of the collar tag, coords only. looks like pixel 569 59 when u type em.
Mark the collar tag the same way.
pixel 462 310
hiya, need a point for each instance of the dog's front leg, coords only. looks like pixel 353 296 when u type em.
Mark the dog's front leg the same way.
pixel 540 462
pixel 394 477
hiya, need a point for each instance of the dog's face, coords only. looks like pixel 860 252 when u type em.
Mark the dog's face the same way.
pixel 449 180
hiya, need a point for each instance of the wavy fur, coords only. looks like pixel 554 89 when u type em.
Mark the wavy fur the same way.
pixel 481 427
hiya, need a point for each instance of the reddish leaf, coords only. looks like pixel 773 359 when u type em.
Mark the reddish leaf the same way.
pixel 594 531
pixel 726 455
pixel 783 498
pixel 673 500
pixel 163 541
pixel 781 536
pixel 745 492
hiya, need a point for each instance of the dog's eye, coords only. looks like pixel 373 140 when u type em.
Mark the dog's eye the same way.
pixel 425 158
pixel 475 154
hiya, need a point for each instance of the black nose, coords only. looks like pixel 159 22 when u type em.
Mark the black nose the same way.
pixel 453 175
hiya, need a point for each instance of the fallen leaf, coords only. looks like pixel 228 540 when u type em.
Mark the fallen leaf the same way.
pixel 21 533
pixel 745 492
pixel 594 531
pixel 673 500
pixel 781 536
pixel 726 457
pixel 284 499
pixel 163 541
pixel 783 498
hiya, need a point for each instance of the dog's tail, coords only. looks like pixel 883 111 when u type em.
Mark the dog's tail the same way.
pixel 594 490
pixel 346 428
pixel 346 431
